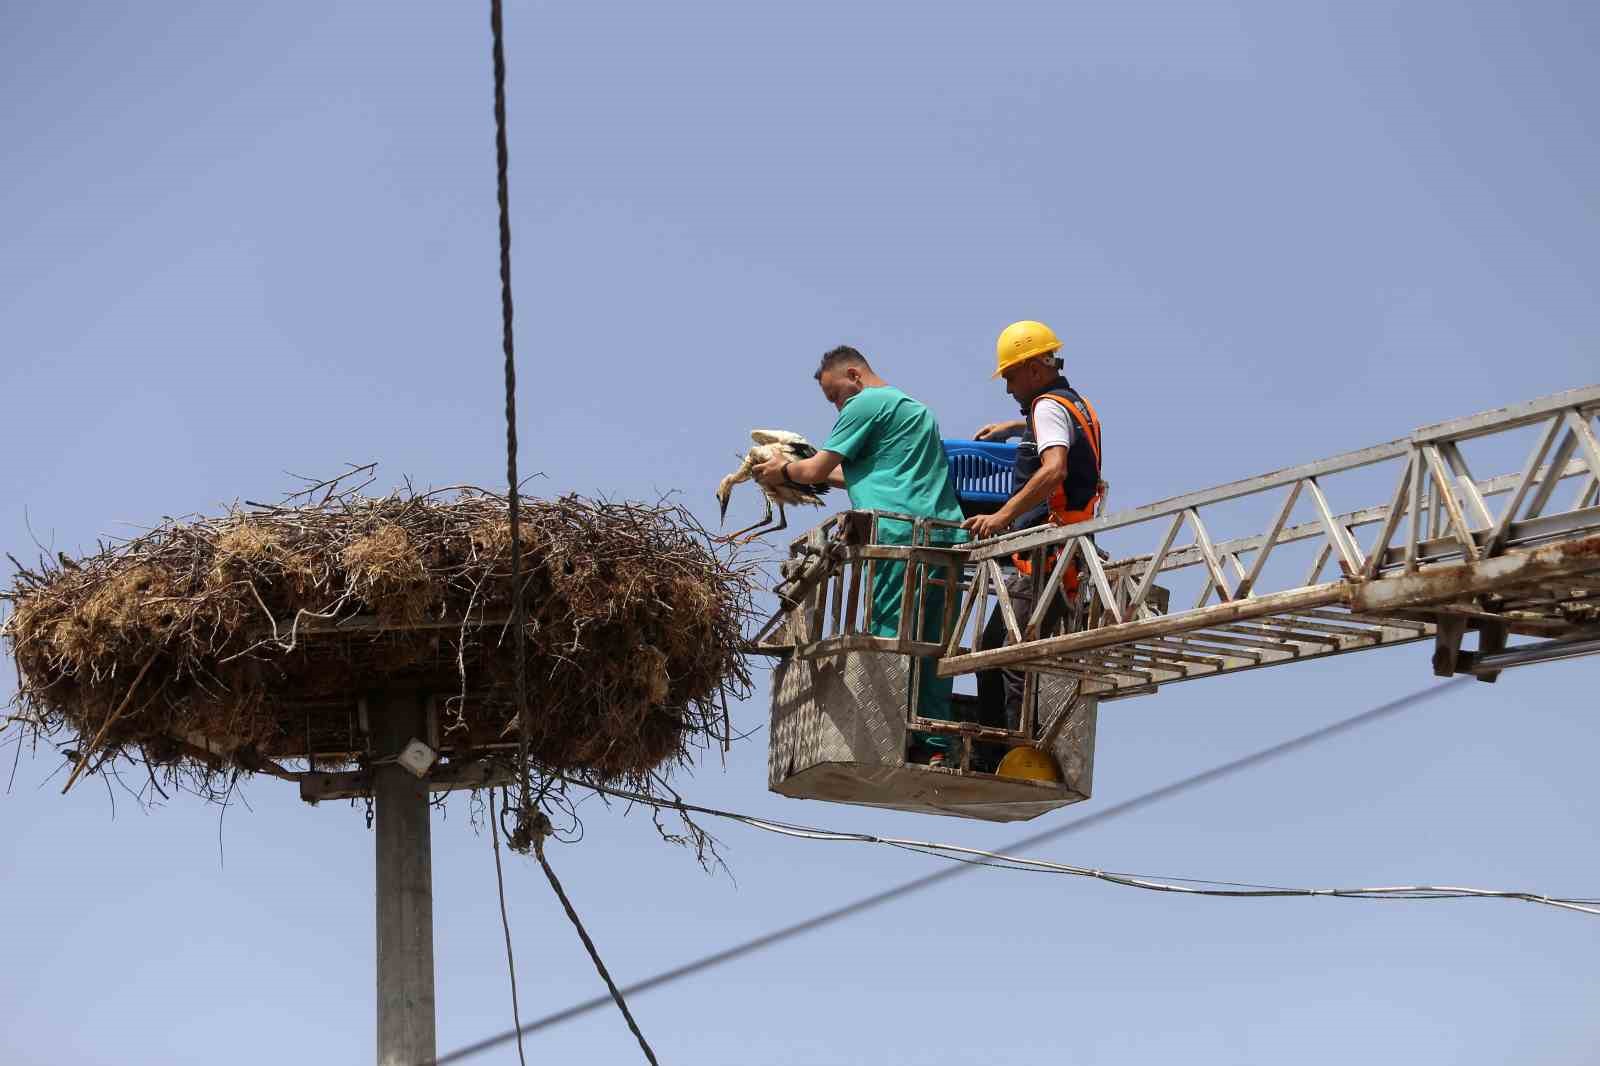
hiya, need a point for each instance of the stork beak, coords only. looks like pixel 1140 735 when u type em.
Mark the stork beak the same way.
pixel 722 514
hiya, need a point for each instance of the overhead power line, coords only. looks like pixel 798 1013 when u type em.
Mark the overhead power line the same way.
pixel 905 888
pixel 1194 886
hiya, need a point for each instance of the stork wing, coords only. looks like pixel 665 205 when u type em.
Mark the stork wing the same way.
pixel 810 495
pixel 776 436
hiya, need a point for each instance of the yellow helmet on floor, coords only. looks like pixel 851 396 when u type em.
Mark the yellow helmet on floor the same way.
pixel 1028 764
pixel 1022 341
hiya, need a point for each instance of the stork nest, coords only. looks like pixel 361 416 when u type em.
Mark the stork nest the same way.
pixel 211 646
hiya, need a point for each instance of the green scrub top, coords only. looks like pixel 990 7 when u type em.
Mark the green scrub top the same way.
pixel 893 457
pixel 894 461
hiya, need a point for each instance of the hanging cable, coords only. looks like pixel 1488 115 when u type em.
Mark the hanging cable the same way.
pixel 531 822
pixel 513 504
pixel 542 831
pixel 928 880
pixel 1001 860
pixel 505 924
pixel 508 344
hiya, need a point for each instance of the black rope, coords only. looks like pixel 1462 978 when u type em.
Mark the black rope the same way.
pixel 508 342
pixel 594 954
pixel 513 504
pixel 530 821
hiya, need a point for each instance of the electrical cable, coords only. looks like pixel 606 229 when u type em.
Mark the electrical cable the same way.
pixel 505 926
pixel 905 888
pixel 594 953
pixel 1000 860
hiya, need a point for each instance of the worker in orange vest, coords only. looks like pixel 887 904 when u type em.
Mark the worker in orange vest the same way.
pixel 1056 482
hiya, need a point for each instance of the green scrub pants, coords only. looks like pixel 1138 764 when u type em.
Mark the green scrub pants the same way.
pixel 888 586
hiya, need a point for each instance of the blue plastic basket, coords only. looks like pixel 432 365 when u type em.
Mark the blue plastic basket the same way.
pixel 981 470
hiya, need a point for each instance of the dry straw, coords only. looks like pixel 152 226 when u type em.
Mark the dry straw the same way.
pixel 211 646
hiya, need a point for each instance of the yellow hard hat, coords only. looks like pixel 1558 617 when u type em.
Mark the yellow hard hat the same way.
pixel 1022 341
pixel 1028 764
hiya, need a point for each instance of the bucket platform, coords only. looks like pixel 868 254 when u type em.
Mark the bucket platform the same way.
pixel 844 724
pixel 841 732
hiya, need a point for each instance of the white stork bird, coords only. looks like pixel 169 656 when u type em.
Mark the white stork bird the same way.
pixel 771 444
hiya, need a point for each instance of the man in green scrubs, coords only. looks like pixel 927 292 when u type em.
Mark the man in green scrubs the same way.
pixel 889 450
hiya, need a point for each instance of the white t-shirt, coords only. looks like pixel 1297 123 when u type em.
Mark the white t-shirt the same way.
pixel 1052 425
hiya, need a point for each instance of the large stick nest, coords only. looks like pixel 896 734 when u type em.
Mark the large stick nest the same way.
pixel 211 645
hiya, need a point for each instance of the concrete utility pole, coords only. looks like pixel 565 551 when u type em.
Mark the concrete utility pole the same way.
pixel 405 884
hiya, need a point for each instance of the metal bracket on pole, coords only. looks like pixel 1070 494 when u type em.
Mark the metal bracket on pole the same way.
pixel 444 777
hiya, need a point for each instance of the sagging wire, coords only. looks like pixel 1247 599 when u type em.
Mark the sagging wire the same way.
pixel 822 919
pixel 1185 885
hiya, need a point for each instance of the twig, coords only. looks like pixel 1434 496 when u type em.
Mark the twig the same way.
pixel 94 745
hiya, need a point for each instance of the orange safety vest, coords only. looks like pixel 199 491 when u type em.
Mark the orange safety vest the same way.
pixel 1060 514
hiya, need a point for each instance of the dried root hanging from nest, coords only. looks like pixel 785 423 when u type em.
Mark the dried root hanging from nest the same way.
pixel 210 646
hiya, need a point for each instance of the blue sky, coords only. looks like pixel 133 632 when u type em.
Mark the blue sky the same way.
pixel 241 242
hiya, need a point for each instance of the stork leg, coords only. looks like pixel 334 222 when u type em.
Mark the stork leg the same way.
pixel 733 538
pixel 762 528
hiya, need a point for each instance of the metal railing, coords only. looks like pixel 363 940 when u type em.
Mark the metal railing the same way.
pixel 827 607
pixel 827 595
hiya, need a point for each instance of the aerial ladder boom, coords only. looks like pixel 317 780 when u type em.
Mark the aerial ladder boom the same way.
pixel 1257 573
pixel 1447 553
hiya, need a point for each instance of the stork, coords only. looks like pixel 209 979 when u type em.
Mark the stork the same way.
pixel 771 444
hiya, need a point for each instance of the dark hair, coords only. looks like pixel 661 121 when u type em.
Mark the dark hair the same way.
pixel 844 355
